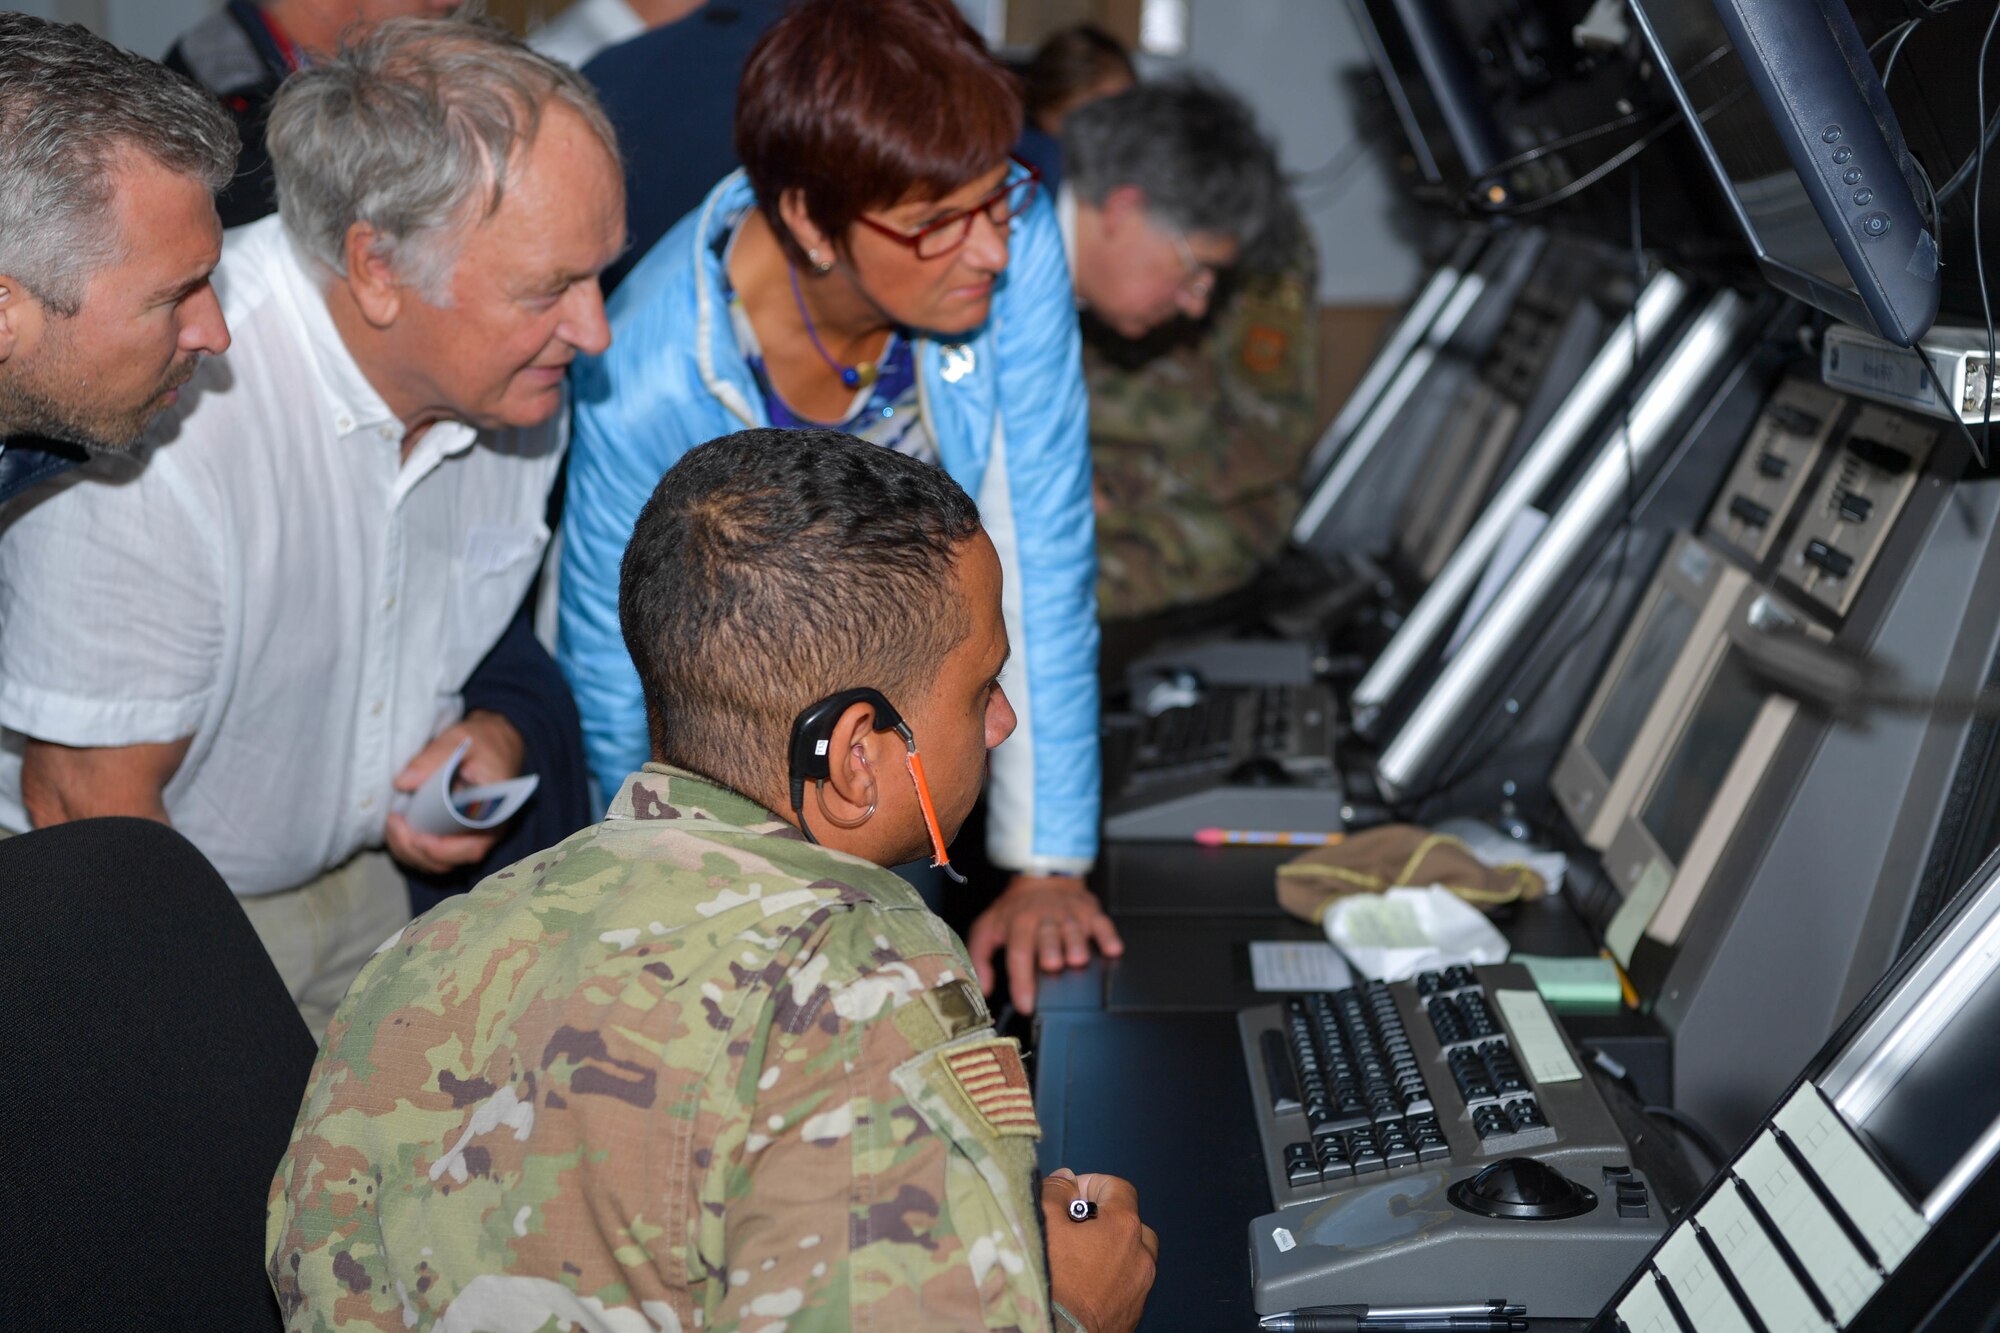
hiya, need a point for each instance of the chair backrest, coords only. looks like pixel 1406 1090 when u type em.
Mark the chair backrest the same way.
pixel 151 1066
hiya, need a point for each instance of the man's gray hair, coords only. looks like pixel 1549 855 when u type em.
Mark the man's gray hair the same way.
pixel 413 130
pixel 71 105
pixel 1193 150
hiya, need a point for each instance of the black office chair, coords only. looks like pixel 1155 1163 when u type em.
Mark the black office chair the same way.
pixel 151 1065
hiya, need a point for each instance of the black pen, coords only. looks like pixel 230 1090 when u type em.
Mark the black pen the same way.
pixel 1493 1317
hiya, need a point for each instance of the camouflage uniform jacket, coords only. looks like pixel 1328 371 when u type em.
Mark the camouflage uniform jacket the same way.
pixel 1197 437
pixel 683 1071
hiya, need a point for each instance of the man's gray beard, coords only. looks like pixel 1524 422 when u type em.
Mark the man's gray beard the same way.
pixel 30 409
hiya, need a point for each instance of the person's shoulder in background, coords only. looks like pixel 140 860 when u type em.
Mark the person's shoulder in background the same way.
pixel 671 95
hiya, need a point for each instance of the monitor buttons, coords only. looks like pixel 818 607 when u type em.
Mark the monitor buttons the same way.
pixel 1864 197
pixel 1831 134
pixel 1851 176
pixel 1875 224
pixel 1843 155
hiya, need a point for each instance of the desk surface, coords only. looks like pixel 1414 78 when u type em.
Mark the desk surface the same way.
pixel 1189 960
pixel 1139 1072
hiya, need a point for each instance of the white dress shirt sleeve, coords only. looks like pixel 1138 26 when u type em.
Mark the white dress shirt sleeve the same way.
pixel 110 611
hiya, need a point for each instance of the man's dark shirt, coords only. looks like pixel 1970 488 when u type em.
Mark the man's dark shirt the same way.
pixel 28 461
pixel 671 95
pixel 234 55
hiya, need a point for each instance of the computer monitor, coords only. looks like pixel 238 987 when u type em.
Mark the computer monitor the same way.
pixel 1413 328
pixel 1432 82
pixel 1556 325
pixel 1351 507
pixel 1786 108
pixel 1696 787
pixel 1865 1200
pixel 1645 687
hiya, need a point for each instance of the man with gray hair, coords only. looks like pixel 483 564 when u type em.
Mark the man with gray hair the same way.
pixel 341 518
pixel 108 169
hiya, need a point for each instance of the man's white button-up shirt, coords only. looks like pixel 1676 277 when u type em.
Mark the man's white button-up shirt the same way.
pixel 275 581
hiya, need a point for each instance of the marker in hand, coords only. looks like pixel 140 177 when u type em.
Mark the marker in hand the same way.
pixel 1233 837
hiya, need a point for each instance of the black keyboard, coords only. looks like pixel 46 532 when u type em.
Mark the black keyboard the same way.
pixel 1382 1078
pixel 1146 758
pixel 1379 1108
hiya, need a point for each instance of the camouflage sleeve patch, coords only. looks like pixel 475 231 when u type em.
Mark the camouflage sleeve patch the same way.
pixel 989 1080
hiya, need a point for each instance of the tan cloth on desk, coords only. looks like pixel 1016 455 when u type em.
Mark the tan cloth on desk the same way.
pixel 1379 859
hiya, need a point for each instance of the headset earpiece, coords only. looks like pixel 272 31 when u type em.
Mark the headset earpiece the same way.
pixel 809 759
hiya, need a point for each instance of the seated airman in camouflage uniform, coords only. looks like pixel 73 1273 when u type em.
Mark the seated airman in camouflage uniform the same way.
pixel 688 1069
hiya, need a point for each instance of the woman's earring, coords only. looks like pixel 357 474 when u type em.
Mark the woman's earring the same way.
pixel 820 266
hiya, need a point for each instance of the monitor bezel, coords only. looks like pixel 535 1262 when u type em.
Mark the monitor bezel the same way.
pixel 1595 802
pixel 1893 1038
pixel 1635 853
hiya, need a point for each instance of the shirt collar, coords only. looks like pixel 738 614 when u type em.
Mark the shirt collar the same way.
pixel 349 400
pixel 661 791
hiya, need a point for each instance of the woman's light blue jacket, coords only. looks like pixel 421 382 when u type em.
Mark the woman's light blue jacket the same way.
pixel 1006 408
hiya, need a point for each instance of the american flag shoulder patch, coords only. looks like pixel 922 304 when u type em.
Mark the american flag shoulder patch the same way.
pixel 988 1074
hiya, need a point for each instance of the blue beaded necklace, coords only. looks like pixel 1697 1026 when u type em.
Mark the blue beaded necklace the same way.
pixel 858 376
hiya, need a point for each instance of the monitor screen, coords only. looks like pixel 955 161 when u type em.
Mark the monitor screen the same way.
pixel 1807 151
pixel 1702 756
pixel 1782 215
pixel 1646 669
pixel 1944 1100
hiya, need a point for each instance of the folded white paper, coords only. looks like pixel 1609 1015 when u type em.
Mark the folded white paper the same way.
pixel 436 808
pixel 1394 935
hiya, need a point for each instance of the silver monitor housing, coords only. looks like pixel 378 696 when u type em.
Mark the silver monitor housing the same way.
pixel 1432 617
pixel 1629 450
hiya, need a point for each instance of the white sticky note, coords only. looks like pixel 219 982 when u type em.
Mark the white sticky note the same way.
pixel 1537 1040
pixel 1644 1310
pixel 1753 1258
pixel 1835 1266
pixel 1684 1265
pixel 1868 1197
pixel 1297 965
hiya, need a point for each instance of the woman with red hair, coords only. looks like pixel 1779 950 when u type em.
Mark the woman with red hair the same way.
pixel 883 267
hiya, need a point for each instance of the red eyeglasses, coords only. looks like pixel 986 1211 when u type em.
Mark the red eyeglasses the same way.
pixel 938 239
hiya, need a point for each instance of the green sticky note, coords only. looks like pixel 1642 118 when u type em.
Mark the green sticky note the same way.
pixel 1574 983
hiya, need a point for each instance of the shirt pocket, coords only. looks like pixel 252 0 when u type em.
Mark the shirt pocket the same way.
pixel 971 1094
pixel 489 578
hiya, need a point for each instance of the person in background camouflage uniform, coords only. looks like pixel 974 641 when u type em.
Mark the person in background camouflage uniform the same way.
pixel 1198 434
pixel 1199 418
pixel 688 1069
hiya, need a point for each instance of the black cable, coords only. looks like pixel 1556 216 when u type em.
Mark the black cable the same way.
pixel 1889 65
pixel 1606 167
pixel 1956 181
pixel 1692 1130
pixel 1602 169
